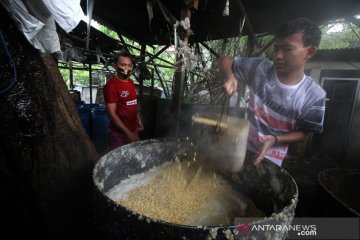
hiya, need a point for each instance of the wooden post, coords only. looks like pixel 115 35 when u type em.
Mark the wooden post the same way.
pixel 71 75
pixel 204 66
pixel 90 83
pixel 210 50
pixel 163 85
pixel 141 67
pixel 46 157
pixel 179 77
pixel 152 82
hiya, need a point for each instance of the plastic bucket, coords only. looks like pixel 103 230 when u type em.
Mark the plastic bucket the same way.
pixel 100 123
pixel 92 106
pixel 85 117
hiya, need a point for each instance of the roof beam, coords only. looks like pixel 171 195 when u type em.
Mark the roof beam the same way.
pixel 210 50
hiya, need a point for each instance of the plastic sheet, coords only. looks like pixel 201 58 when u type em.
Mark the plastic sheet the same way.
pixel 67 13
pixel 37 20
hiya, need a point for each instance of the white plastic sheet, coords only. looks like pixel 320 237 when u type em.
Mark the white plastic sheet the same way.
pixel 42 34
pixel 47 39
pixel 67 13
pixel 28 24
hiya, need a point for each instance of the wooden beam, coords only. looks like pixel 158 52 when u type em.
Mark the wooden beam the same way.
pixel 122 40
pixel 264 48
pixel 71 75
pixel 90 83
pixel 204 66
pixel 158 65
pixel 141 66
pixel 179 76
pixel 192 4
pixel 248 23
pixel 128 46
pixel 157 54
pixel 166 91
pixel 210 50
pixel 152 82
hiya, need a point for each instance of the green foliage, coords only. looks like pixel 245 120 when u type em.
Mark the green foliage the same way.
pixel 108 31
pixel 240 46
pixel 80 77
pixel 348 37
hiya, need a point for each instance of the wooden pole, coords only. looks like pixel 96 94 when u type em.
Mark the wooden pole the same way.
pixel 166 91
pixel 152 82
pixel 71 75
pixel 204 66
pixel 210 50
pixel 179 76
pixel 141 67
pixel 90 83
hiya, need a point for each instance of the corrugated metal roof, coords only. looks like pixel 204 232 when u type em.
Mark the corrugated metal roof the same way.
pixel 341 55
pixel 131 18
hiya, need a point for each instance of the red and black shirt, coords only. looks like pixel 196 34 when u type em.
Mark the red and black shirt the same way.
pixel 124 95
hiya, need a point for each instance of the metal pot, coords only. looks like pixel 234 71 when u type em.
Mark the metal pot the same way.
pixel 343 192
pixel 222 145
pixel 271 188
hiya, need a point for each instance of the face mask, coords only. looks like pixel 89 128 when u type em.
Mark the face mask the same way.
pixel 123 73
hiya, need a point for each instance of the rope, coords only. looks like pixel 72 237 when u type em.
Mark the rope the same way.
pixel 11 61
pixel 221 115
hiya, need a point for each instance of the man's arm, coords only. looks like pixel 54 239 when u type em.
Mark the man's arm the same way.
pixel 139 122
pixel 225 65
pixel 115 119
pixel 270 140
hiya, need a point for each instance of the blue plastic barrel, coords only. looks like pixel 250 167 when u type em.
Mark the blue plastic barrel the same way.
pixel 85 117
pixel 92 106
pixel 100 123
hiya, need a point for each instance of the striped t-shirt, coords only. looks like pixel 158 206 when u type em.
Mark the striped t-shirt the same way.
pixel 276 108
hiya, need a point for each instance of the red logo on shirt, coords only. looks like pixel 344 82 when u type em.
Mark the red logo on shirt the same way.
pixel 125 93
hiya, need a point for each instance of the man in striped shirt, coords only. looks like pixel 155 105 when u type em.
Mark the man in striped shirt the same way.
pixel 284 103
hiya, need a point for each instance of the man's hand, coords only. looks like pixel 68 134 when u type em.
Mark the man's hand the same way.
pixel 225 64
pixel 268 141
pixel 140 124
pixel 132 137
pixel 230 86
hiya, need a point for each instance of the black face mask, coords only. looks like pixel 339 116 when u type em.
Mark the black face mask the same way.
pixel 122 73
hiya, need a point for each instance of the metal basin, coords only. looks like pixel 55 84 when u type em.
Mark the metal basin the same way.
pixel 271 188
pixel 343 191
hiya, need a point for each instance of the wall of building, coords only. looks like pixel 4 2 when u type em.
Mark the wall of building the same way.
pixel 352 153
pixel 341 70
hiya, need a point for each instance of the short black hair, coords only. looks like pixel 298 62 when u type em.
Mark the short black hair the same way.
pixel 312 33
pixel 122 54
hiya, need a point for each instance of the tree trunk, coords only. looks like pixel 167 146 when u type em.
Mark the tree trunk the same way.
pixel 46 157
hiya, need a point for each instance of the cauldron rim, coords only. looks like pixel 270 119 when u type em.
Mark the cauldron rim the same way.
pixel 204 227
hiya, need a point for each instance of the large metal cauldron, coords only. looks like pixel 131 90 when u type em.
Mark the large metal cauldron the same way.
pixel 343 192
pixel 271 188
